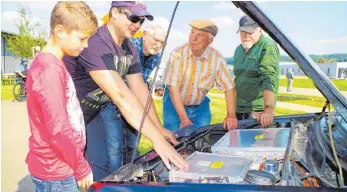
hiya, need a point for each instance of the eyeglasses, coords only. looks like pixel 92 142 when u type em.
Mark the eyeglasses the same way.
pixel 134 18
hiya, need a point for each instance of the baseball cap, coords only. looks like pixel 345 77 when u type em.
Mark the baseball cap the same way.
pixel 247 24
pixel 136 8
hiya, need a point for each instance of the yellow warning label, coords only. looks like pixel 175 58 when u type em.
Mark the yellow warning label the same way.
pixel 217 164
pixel 259 137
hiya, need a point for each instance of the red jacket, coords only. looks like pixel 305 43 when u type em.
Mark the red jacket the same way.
pixel 57 140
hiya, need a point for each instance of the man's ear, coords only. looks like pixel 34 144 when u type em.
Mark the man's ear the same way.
pixel 115 13
pixel 211 40
pixel 59 31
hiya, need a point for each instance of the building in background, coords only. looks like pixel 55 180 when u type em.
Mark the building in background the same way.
pixel 9 62
pixel 337 70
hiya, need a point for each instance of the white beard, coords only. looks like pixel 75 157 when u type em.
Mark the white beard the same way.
pixel 247 45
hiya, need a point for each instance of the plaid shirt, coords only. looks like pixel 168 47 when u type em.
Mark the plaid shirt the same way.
pixel 152 61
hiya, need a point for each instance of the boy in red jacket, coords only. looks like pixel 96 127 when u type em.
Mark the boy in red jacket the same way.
pixel 56 145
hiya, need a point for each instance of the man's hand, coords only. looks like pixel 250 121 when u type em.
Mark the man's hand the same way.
pixel 230 122
pixel 85 183
pixel 266 117
pixel 185 123
pixel 168 135
pixel 168 154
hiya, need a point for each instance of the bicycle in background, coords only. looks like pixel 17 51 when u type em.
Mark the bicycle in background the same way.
pixel 19 90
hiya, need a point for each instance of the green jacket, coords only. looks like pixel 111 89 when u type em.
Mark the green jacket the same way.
pixel 255 71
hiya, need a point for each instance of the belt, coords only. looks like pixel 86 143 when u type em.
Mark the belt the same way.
pixel 191 106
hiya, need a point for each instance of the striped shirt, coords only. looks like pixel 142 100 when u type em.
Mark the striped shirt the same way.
pixel 195 76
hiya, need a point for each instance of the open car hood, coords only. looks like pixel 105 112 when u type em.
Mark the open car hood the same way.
pixel 308 66
pixel 303 128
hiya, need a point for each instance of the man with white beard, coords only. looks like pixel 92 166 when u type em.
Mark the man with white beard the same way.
pixel 256 69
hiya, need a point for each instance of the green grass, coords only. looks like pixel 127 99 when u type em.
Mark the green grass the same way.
pixel 282 111
pixel 158 102
pixel 218 109
pixel 308 83
pixel 6 92
pixel 313 101
pixel 340 84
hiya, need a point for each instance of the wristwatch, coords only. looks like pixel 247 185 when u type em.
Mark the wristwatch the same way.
pixel 269 106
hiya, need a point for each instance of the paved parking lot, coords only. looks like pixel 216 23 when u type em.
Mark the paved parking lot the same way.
pixel 15 133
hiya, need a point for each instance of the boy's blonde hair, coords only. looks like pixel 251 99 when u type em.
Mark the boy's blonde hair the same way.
pixel 74 15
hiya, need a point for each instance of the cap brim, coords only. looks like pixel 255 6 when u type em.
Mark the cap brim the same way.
pixel 248 29
pixel 141 13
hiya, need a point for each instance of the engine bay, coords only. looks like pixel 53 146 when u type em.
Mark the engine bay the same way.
pixel 292 152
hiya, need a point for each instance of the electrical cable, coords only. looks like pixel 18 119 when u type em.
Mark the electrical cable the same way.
pixel 149 98
pixel 341 182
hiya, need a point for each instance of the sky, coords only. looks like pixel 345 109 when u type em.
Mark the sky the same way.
pixel 316 27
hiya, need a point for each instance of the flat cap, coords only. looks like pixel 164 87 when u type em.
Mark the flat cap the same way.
pixel 205 25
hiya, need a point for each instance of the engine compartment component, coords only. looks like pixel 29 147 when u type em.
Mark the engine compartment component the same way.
pixel 235 154
pixel 290 153
pixel 271 166
pixel 260 177
pixel 212 168
pixel 319 155
pixel 267 143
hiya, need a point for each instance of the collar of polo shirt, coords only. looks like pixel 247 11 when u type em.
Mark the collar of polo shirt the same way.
pixel 204 55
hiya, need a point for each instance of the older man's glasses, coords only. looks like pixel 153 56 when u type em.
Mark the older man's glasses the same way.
pixel 134 18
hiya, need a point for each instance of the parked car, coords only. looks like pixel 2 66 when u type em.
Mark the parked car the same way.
pixel 314 146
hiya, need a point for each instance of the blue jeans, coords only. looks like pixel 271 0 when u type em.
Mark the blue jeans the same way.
pixel 200 115
pixel 63 185
pixel 96 151
pixel 120 137
pixel 110 142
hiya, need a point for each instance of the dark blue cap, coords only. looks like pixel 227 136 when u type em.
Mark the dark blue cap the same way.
pixel 247 24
